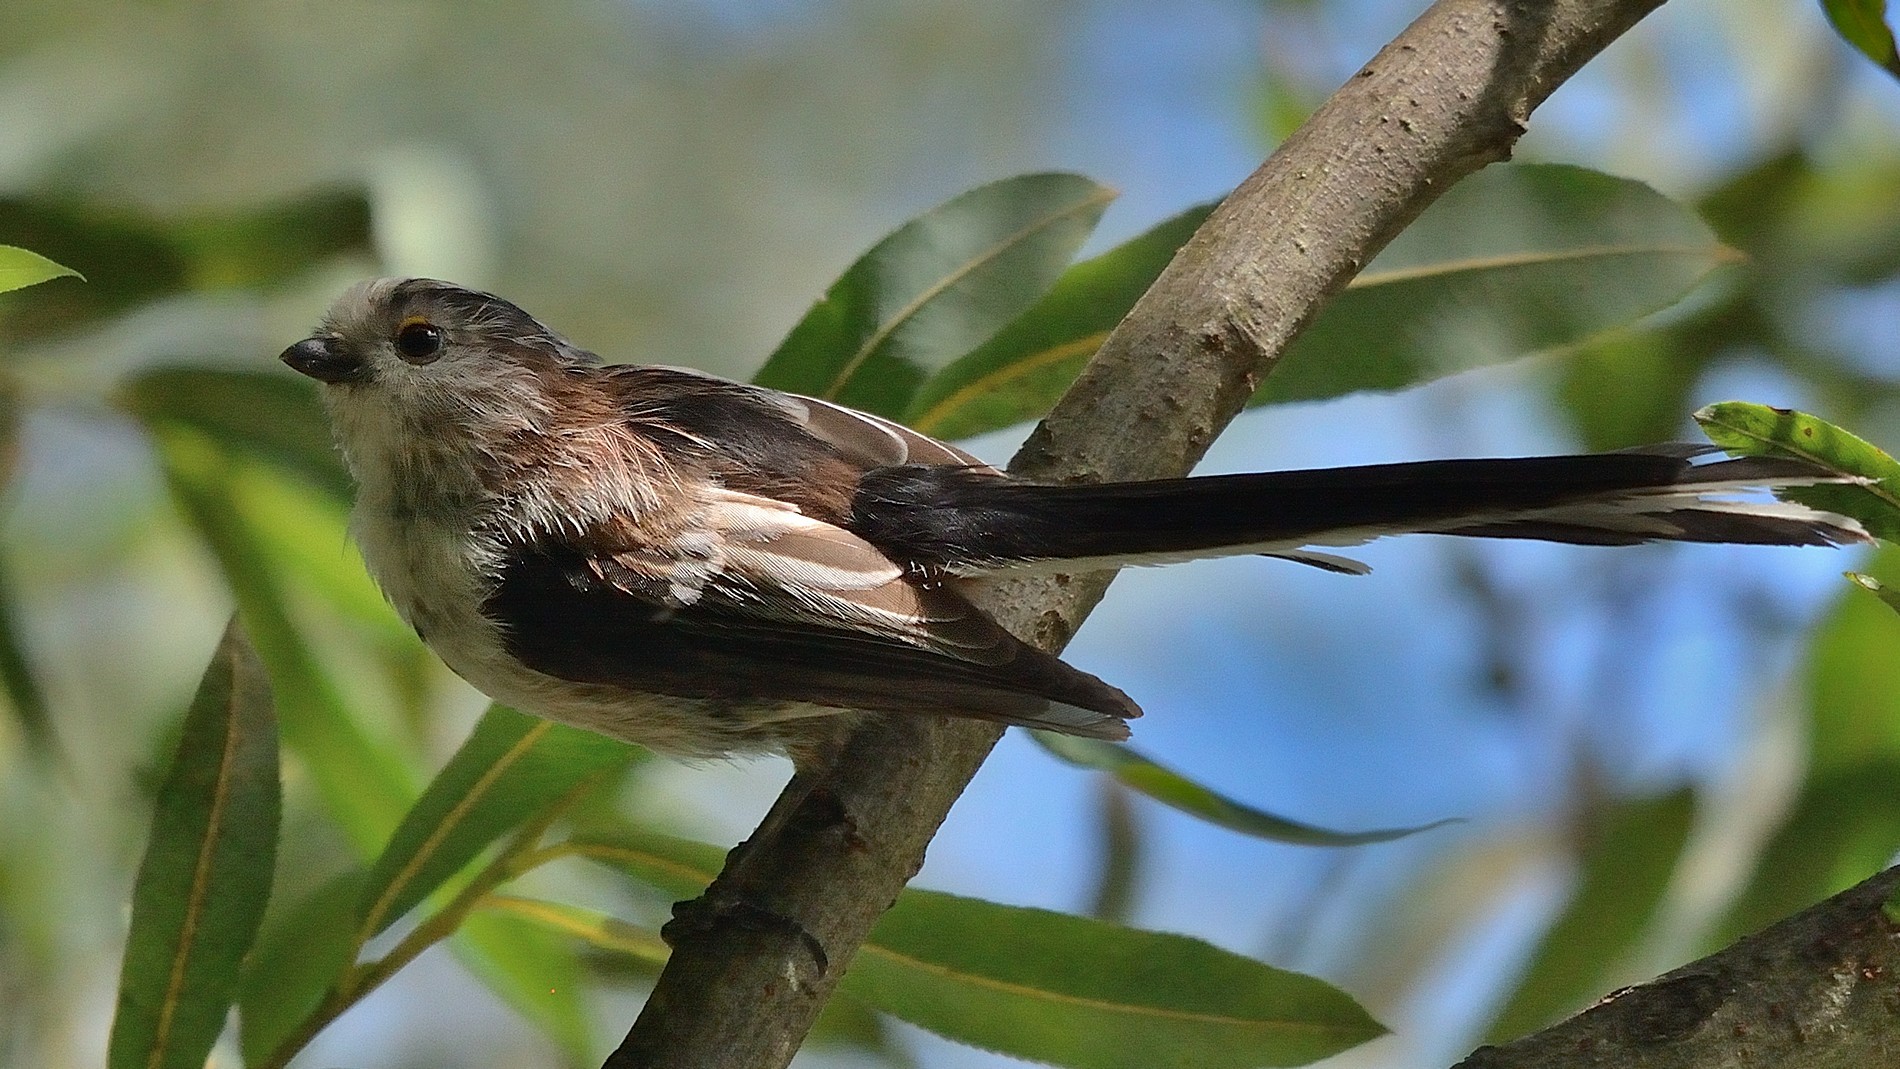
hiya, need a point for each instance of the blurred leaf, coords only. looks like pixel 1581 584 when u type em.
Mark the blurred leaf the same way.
pixel 1051 987
pixel 25 696
pixel 1853 681
pixel 302 951
pixel 20 269
pixel 1514 260
pixel 1863 24
pixel 934 289
pixel 1844 828
pixel 1751 429
pixel 363 781
pixel 599 930
pixel 131 258
pixel 1078 992
pixel 1019 373
pixel 1880 590
pixel 207 872
pixel 1177 791
pixel 1629 388
pixel 1624 871
pixel 1121 839
pixel 534 971
pixel 275 417
pixel 508 771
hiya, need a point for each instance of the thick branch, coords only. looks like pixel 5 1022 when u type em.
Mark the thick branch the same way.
pixel 1820 990
pixel 756 958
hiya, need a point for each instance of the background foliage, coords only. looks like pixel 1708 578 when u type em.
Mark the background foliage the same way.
pixel 1650 751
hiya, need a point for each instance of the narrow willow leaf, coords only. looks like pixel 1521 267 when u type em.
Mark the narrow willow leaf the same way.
pixel 1624 870
pixel 1072 991
pixel 1514 260
pixel 363 780
pixel 1051 987
pixel 301 953
pixel 1877 588
pixel 20 269
pixel 533 970
pixel 935 289
pixel 1863 24
pixel 1751 429
pixel 1853 681
pixel 602 931
pixel 511 768
pixel 206 877
pixel 1018 374
pixel 1172 789
pixel 274 417
pixel 1121 839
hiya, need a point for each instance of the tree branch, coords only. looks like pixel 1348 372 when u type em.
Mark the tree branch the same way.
pixel 756 957
pixel 1819 990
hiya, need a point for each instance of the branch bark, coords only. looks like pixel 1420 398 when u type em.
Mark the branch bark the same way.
pixel 755 958
pixel 1819 990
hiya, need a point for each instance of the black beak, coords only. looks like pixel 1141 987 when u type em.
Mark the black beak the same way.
pixel 323 359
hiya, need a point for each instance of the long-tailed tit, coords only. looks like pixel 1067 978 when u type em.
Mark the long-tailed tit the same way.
pixel 708 567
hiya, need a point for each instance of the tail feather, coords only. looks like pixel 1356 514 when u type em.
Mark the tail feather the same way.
pixel 970 520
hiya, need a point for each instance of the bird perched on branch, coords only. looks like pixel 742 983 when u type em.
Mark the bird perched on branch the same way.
pixel 707 567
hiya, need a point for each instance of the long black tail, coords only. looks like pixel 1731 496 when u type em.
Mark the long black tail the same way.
pixel 970 520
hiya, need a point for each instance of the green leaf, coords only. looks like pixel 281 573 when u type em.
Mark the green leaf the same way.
pixel 1863 24
pixel 1050 987
pixel 1625 869
pixel 511 768
pixel 1018 374
pixel 1078 992
pixel 363 780
pixel 935 289
pixel 1844 828
pixel 1514 260
pixel 1877 588
pixel 602 931
pixel 1172 789
pixel 1853 680
pixel 533 970
pixel 273 417
pixel 131 257
pixel 20 269
pixel 206 877
pixel 1758 430
pixel 301 953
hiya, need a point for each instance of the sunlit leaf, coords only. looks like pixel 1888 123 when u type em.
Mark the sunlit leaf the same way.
pixel 363 780
pixel 301 952
pixel 1073 991
pixel 1624 870
pixel 511 767
pixel 206 877
pixel 20 268
pixel 1172 789
pixel 275 417
pixel 935 289
pixel 1741 427
pixel 1019 373
pixel 1863 24
pixel 1514 260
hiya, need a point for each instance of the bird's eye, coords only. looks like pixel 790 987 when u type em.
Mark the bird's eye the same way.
pixel 419 342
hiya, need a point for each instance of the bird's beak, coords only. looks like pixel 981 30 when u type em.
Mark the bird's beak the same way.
pixel 324 358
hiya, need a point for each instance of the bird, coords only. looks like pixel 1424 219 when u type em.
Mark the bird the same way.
pixel 711 568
